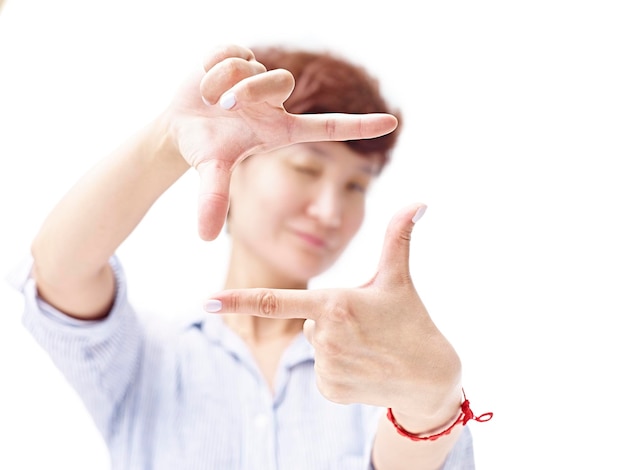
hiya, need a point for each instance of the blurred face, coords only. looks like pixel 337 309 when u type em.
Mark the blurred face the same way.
pixel 294 210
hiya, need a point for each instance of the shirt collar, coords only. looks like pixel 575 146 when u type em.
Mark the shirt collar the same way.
pixel 218 333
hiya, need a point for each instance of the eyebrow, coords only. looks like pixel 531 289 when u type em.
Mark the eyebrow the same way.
pixel 370 170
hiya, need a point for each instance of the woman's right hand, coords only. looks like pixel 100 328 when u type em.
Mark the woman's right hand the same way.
pixel 233 109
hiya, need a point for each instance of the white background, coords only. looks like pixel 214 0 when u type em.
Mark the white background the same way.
pixel 515 136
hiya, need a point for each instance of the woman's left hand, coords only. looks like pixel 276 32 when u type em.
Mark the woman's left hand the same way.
pixel 375 344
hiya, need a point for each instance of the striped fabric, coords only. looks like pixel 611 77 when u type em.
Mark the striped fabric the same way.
pixel 191 397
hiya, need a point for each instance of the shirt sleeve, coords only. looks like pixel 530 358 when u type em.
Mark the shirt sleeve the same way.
pixel 461 457
pixel 98 358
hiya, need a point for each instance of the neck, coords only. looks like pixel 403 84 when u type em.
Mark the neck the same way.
pixel 252 273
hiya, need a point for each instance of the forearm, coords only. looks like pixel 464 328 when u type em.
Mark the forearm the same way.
pixel 393 451
pixel 75 242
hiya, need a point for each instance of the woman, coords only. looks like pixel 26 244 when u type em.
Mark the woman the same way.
pixel 273 375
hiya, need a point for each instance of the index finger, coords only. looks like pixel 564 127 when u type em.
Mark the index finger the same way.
pixel 269 303
pixel 338 126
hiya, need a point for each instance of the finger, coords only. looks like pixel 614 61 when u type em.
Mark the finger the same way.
pixel 270 303
pixel 225 74
pixel 273 87
pixel 334 126
pixel 213 197
pixel 393 266
pixel 224 52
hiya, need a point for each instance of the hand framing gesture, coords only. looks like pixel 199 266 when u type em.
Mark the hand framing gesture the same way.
pixel 375 344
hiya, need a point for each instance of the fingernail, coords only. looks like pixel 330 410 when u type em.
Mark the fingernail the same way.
pixel 205 101
pixel 418 214
pixel 228 100
pixel 213 306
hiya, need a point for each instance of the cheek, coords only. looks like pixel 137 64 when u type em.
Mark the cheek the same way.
pixel 280 198
pixel 353 220
pixel 267 201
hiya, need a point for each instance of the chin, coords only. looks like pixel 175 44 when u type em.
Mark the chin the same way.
pixel 302 265
pixel 302 275
pixel 306 273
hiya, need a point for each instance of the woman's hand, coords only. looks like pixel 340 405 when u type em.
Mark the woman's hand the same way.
pixel 375 344
pixel 233 109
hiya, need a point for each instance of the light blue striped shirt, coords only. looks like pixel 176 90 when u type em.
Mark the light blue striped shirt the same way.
pixel 192 397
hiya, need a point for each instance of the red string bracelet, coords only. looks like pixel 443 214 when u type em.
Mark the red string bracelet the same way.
pixel 466 415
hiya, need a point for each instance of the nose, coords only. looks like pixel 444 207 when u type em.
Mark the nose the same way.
pixel 326 206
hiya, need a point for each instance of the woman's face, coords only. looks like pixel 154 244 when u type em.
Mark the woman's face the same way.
pixel 294 210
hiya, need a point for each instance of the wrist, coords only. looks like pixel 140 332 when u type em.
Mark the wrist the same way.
pixel 430 416
pixel 424 404
pixel 464 415
pixel 160 144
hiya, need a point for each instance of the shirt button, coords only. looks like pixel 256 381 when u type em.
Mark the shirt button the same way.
pixel 261 420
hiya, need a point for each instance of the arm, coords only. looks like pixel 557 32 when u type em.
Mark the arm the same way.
pixel 72 249
pixel 221 115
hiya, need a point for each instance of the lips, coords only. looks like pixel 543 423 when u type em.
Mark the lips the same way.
pixel 312 240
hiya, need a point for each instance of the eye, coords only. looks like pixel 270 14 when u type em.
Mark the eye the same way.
pixel 357 187
pixel 306 170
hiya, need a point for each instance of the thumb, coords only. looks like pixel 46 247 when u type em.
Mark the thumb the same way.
pixel 393 266
pixel 213 197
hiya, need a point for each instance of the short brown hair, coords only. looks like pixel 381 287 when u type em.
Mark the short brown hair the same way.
pixel 327 83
